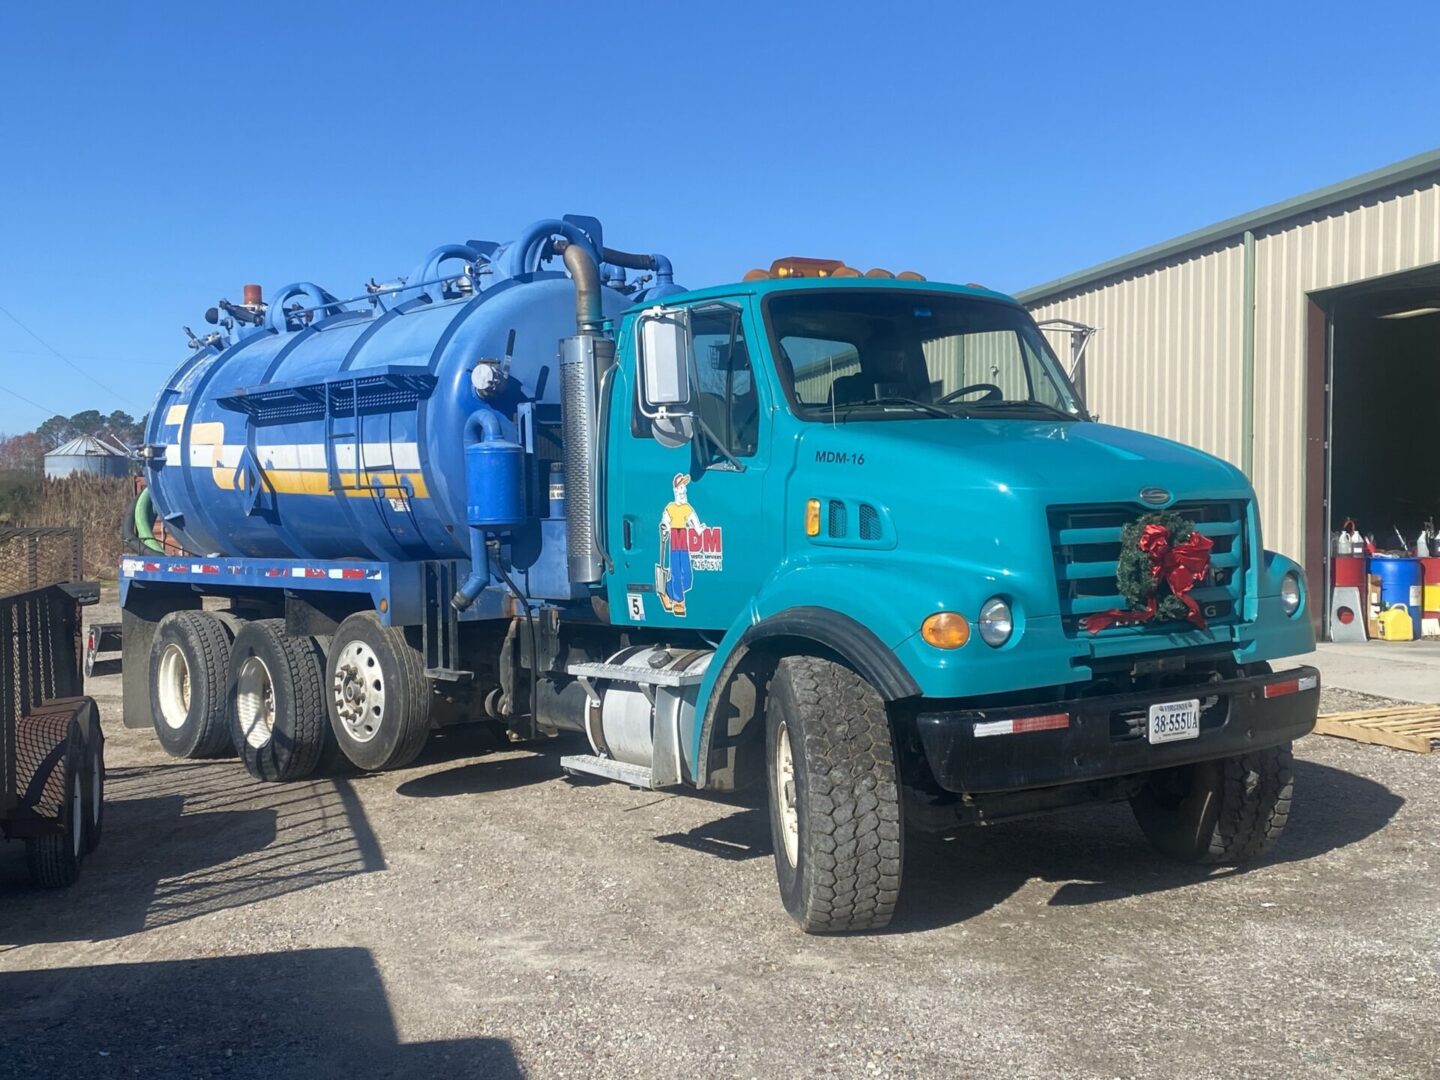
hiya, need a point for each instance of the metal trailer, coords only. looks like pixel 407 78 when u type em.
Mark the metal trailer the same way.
pixel 52 750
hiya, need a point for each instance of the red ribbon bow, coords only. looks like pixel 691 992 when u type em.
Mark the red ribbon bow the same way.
pixel 1180 566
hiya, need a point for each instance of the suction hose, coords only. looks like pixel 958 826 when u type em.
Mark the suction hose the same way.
pixel 657 264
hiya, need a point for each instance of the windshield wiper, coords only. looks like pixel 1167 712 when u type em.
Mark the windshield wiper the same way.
pixel 892 399
pixel 1053 410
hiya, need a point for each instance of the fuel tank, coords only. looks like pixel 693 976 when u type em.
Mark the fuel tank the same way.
pixel 333 429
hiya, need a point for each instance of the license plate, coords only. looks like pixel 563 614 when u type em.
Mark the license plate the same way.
pixel 1174 720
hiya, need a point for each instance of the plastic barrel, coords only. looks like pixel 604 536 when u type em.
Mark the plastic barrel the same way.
pixel 1431 569
pixel 1401 582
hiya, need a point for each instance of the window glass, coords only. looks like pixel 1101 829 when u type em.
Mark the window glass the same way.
pixel 852 348
pixel 727 399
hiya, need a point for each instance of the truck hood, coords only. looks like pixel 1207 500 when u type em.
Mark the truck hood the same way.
pixel 1055 462
pixel 962 504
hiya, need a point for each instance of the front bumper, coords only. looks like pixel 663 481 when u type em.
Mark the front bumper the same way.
pixel 1106 736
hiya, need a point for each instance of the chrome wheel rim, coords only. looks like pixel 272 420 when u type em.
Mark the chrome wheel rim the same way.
pixel 173 687
pixel 785 794
pixel 359 691
pixel 255 703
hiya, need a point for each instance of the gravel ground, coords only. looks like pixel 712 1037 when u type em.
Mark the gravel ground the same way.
pixel 480 915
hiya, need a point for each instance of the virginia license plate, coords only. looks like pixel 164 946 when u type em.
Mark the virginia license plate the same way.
pixel 1174 721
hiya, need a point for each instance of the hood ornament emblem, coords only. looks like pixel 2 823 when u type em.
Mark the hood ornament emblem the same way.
pixel 1155 496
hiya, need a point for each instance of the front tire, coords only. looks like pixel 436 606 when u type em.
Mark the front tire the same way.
pixel 834 797
pixel 378 697
pixel 188 663
pixel 1227 811
pixel 276 703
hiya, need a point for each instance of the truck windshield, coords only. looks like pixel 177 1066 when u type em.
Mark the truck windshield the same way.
pixel 889 353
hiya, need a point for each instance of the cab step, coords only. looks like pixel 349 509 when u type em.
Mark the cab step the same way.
pixel 635 673
pixel 634 775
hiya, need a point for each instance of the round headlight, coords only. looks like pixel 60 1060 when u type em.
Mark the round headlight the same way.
pixel 996 623
pixel 1290 593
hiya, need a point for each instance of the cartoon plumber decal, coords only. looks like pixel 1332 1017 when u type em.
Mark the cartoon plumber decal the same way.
pixel 687 545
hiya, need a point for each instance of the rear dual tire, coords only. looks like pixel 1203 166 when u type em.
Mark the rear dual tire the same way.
pixel 188 664
pixel 276 701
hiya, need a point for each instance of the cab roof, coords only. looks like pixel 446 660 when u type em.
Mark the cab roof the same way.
pixel 761 289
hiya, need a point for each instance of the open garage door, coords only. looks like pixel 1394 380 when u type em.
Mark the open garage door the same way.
pixel 1379 355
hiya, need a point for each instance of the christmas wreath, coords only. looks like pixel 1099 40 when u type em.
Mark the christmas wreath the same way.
pixel 1162 556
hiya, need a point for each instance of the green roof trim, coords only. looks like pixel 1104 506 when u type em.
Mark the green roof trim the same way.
pixel 1235 228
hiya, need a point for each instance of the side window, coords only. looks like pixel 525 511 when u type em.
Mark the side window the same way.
pixel 727 399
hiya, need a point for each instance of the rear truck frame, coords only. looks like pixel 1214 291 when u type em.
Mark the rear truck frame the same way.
pixel 52 749
pixel 853 538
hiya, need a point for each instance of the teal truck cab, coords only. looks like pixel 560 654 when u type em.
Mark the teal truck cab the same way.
pixel 854 538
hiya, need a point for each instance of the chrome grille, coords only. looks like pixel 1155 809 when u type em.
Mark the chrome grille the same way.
pixel 1086 544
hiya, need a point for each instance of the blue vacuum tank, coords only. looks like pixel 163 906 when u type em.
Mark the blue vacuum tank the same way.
pixel 318 428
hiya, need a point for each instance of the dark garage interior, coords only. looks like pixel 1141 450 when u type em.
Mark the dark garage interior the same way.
pixel 1385 406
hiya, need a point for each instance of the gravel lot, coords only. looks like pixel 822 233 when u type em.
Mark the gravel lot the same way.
pixel 480 915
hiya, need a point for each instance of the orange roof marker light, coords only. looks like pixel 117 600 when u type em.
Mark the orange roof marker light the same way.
pixel 796 266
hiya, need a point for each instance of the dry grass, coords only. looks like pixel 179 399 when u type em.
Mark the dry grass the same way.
pixel 93 503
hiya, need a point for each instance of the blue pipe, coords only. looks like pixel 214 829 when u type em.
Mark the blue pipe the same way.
pixel 425 276
pixel 483 426
pixel 523 254
pixel 320 301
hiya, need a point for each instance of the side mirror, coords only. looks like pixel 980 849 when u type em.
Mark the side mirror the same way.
pixel 664 341
pixel 664 363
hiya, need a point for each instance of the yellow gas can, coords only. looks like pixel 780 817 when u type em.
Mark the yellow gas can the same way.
pixel 1396 624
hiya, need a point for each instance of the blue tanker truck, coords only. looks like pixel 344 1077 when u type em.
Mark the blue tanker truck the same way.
pixel 853 536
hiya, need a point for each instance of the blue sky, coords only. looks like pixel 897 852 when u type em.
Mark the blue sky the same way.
pixel 154 157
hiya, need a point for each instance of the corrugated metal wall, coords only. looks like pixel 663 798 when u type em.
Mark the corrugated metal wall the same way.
pixel 1169 355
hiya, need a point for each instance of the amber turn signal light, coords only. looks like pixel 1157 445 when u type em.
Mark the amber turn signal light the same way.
pixel 946 630
pixel 812 517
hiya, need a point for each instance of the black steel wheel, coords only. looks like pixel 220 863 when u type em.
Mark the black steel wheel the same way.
pixel 92 776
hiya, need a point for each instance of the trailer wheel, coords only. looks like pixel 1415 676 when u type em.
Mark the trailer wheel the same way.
pixel 1226 811
pixel 54 859
pixel 834 797
pixel 188 662
pixel 92 776
pixel 276 705
pixel 379 698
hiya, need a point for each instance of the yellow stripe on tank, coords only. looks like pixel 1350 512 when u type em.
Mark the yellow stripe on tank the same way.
pixel 387 484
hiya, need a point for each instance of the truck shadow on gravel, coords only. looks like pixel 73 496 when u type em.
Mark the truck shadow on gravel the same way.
pixel 1099 854
pixel 187 839
pixel 316 1013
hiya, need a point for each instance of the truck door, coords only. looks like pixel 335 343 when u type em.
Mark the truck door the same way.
pixel 687 523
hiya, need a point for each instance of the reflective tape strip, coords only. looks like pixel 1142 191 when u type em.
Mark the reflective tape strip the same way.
pixel 1020 725
pixel 1291 686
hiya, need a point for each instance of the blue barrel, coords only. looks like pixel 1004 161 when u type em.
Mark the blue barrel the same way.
pixel 1401 582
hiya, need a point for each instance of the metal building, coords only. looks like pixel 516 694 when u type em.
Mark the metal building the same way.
pixel 93 454
pixel 1301 342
